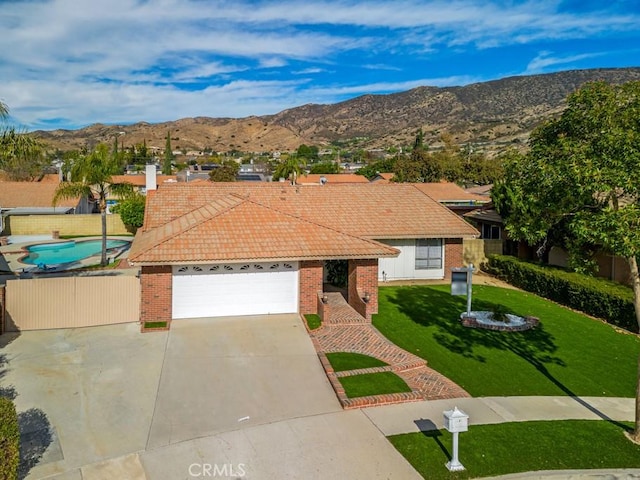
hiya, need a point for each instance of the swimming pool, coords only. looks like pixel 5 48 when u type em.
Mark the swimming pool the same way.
pixel 67 252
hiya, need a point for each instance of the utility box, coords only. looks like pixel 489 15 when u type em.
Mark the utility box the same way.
pixel 456 421
pixel 459 278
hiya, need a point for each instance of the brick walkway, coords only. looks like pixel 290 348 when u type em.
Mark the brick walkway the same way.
pixel 347 331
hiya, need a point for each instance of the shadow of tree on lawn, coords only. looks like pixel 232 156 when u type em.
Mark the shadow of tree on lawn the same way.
pixel 440 310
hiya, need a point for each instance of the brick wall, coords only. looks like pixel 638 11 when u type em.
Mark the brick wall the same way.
pixel 88 224
pixel 310 284
pixel 453 255
pixel 363 279
pixel 156 291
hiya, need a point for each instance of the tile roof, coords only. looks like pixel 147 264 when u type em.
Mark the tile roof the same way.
pixel 485 215
pixel 141 180
pixel 314 178
pixel 446 192
pixel 233 228
pixel 31 194
pixel 201 222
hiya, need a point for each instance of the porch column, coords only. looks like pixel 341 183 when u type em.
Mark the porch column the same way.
pixel 363 282
pixel 310 284
pixel 156 294
pixel 453 255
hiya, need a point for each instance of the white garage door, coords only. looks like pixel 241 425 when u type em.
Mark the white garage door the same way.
pixel 235 289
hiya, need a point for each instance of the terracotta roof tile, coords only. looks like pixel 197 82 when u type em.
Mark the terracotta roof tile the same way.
pixel 449 192
pixel 31 195
pixel 314 178
pixel 235 229
pixel 278 220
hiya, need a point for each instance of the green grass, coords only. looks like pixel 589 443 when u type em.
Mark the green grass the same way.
pixel 155 324
pixel 488 450
pixel 373 384
pixel 343 361
pixel 313 321
pixel 568 354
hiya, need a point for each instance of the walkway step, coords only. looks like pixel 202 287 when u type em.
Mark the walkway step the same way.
pixel 341 313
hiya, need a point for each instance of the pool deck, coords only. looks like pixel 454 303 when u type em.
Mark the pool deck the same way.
pixel 10 255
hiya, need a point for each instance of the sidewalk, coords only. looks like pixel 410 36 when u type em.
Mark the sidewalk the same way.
pixel 427 415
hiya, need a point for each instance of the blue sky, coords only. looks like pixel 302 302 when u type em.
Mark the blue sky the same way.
pixel 71 63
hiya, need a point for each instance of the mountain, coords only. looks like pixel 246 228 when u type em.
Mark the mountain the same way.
pixel 490 115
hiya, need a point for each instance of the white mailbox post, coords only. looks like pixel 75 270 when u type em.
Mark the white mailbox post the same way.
pixel 461 283
pixel 455 421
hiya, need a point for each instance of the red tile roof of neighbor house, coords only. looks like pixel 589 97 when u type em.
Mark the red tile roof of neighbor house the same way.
pixel 314 178
pixel 31 195
pixel 141 180
pixel 447 192
pixel 243 221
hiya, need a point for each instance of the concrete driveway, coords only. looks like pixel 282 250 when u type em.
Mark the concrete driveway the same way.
pixel 235 397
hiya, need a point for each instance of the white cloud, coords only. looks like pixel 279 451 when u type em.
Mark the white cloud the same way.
pixel 126 60
pixel 547 59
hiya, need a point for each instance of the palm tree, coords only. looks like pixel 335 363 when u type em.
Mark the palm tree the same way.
pixel 290 168
pixel 92 177
pixel 4 110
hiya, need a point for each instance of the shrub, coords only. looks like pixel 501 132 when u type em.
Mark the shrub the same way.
pixel 601 298
pixel 9 440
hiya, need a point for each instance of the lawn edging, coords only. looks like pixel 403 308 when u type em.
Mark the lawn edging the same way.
pixel 367 401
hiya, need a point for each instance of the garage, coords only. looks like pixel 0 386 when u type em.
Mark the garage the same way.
pixel 221 290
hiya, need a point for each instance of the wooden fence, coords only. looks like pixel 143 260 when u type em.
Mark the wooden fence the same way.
pixel 68 302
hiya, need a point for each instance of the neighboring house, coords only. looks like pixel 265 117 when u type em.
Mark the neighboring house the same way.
pixel 452 196
pixel 139 181
pixel 318 179
pixel 36 198
pixel 225 249
pixel 383 177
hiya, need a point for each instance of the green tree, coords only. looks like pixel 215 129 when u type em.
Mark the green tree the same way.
pixel 4 111
pixel 226 172
pixel 22 157
pixel 91 177
pixel 582 175
pixel 131 211
pixel 325 167
pixel 168 156
pixel 289 168
pixel 381 166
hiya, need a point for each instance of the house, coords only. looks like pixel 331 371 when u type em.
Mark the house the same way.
pixel 36 198
pixel 452 196
pixel 317 178
pixel 226 249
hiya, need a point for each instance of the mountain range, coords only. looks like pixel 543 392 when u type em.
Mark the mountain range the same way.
pixel 491 116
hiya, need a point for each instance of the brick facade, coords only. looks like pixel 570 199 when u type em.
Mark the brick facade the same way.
pixel 156 294
pixel 453 255
pixel 363 280
pixel 311 272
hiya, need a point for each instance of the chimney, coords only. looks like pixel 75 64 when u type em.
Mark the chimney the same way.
pixel 150 175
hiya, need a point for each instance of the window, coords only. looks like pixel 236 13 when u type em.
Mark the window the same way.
pixel 490 232
pixel 428 253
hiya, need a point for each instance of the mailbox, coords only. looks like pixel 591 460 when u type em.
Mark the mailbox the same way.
pixel 456 420
pixel 459 278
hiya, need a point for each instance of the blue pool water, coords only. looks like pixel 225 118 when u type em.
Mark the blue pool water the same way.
pixel 65 252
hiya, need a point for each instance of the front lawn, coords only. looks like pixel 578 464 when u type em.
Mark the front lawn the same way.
pixel 343 361
pixel 373 384
pixel 489 450
pixel 568 354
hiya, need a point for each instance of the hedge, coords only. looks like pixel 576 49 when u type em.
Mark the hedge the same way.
pixel 598 297
pixel 9 440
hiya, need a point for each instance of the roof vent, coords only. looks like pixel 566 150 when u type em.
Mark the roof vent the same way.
pixel 323 180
